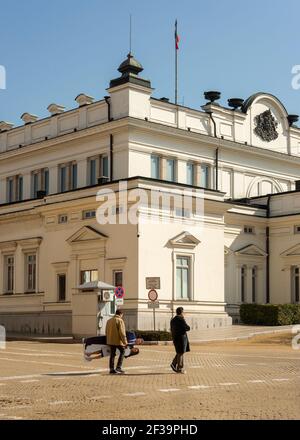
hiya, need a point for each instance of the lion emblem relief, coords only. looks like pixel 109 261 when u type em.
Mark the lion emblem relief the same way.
pixel 266 126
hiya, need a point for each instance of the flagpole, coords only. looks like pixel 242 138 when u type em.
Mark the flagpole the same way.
pixel 176 65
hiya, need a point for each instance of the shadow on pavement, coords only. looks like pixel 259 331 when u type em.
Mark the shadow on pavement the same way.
pixel 70 374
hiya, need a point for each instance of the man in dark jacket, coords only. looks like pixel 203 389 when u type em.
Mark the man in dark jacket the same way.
pixel 180 339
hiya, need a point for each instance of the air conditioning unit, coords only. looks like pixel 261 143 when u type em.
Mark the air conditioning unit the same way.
pixel 107 296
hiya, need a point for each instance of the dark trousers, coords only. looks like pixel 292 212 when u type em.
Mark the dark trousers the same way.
pixel 178 361
pixel 113 349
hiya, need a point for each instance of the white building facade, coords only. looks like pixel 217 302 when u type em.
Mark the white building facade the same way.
pixel 244 247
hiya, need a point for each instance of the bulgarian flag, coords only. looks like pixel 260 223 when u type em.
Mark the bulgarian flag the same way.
pixel 177 39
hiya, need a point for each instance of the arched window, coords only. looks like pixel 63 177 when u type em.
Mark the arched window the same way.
pixel 262 186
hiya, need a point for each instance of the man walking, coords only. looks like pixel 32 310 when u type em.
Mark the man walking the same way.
pixel 180 339
pixel 116 339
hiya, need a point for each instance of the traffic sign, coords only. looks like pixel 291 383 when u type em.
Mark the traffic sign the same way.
pixel 119 292
pixel 153 305
pixel 153 283
pixel 119 301
pixel 153 295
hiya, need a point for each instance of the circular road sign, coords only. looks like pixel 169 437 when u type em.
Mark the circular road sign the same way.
pixel 153 295
pixel 119 292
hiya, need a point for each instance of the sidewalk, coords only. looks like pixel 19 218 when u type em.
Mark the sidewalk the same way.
pixel 230 333
pixel 234 332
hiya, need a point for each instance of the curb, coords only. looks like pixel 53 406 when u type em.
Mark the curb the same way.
pixel 240 338
pixel 53 340
pixel 71 340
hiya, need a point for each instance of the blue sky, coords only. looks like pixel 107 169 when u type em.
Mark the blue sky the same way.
pixel 54 50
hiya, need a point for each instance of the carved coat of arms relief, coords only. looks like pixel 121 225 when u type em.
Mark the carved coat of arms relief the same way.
pixel 266 126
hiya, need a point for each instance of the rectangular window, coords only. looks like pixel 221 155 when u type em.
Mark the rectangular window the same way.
pixel 295 284
pixel 104 166
pixel 10 190
pixel 67 176
pixel 74 176
pixel 9 270
pixel 249 230
pixel 297 229
pixel 30 273
pixel 182 277
pixel 182 212
pixel 61 281
pixel 190 173
pixel 204 180
pixel 155 167
pixel 89 214
pixel 20 188
pixel 46 185
pixel 35 185
pixel 63 218
pixel 14 189
pixel 93 172
pixel 63 179
pixel 254 283
pixel 98 167
pixel 243 283
pixel 39 181
pixel 87 276
pixel 170 170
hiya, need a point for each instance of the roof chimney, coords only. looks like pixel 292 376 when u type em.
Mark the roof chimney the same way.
pixel 5 126
pixel 55 109
pixel 83 99
pixel 27 118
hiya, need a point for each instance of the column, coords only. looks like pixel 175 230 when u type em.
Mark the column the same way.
pixel 3 190
pixel 20 270
pixel 163 168
pixel 181 171
pixel 53 179
pixel 82 173
pixel 198 171
pixel 27 186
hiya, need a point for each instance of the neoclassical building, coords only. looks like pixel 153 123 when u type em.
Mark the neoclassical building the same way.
pixel 243 159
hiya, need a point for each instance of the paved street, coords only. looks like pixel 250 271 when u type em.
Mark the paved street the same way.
pixel 256 379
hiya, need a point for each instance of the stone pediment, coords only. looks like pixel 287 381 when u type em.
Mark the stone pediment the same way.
pixel 292 252
pixel 251 250
pixel 184 240
pixel 85 234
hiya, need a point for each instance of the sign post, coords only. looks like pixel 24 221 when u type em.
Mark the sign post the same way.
pixel 119 294
pixel 154 304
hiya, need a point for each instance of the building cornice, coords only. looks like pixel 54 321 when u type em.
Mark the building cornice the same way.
pixel 103 128
pixel 212 141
